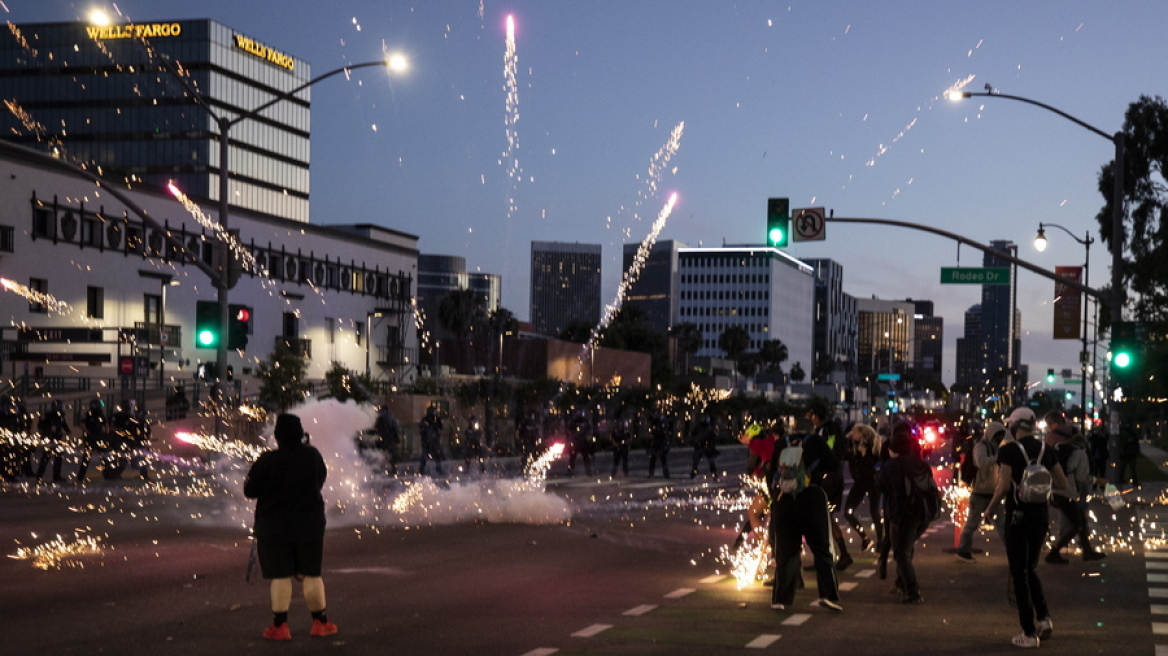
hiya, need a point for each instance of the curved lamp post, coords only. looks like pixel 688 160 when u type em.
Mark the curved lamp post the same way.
pixel 1086 241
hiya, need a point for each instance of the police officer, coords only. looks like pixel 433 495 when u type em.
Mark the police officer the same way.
pixel 703 437
pixel 388 438
pixel 660 441
pixel 95 440
pixel 430 430
pixel 54 430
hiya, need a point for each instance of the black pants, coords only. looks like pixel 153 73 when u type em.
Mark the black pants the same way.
pixel 664 456
pixel 860 487
pixel 620 456
pixel 703 452
pixel 1025 535
pixel 1076 524
pixel 795 518
pixel 902 536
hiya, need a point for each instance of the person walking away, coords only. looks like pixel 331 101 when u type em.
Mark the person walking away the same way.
pixel 899 483
pixel 579 442
pixel 799 512
pixel 621 439
pixel 863 457
pixel 832 480
pixel 1098 452
pixel 1061 436
pixel 704 440
pixel 289 524
pixel 137 440
pixel 1129 454
pixel 54 430
pixel 660 441
pixel 430 430
pixel 388 433
pixel 985 458
pixel 1027 520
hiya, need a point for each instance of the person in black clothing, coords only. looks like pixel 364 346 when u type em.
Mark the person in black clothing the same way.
pixel 704 440
pixel 863 456
pixel 95 439
pixel 1098 453
pixel 580 442
pixel 903 526
pixel 621 438
pixel 1129 454
pixel 472 445
pixel 660 441
pixel 801 513
pixel 1026 524
pixel 832 480
pixel 289 524
pixel 430 430
pixel 529 446
pixel 54 430
pixel 388 438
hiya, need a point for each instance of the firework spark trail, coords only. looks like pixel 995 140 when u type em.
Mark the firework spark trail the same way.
pixel 247 260
pixel 536 471
pixel 511 115
pixel 633 273
pixel 53 553
pixel 230 448
pixel 51 304
pixel 660 161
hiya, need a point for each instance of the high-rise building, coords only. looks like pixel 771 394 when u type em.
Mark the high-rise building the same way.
pixel 654 291
pixel 565 285
pixel 969 352
pixel 763 290
pixel 103 97
pixel 488 287
pixel 884 336
pixel 988 360
pixel 928 339
pixel 835 325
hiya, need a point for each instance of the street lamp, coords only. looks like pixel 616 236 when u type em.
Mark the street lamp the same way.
pixel 393 62
pixel 1117 215
pixel 1086 241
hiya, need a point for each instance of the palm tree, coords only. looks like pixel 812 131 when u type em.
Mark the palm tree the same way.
pixel 689 340
pixel 773 354
pixel 797 373
pixel 734 341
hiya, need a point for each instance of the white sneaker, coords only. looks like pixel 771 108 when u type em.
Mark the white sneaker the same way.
pixel 831 605
pixel 1025 641
pixel 1045 628
pixel 778 607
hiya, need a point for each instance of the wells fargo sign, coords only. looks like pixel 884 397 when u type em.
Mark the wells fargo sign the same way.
pixel 264 52
pixel 146 31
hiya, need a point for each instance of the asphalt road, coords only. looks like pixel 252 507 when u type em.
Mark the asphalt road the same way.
pixel 633 572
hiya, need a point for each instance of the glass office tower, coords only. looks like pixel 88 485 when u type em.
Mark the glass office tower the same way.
pixel 102 97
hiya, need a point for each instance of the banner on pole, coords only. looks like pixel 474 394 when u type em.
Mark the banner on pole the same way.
pixel 1068 304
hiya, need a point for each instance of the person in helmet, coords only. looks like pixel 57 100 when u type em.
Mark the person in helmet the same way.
pixel 95 439
pixel 704 439
pixel 54 430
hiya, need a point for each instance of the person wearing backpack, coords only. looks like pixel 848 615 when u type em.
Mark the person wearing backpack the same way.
pixel 799 512
pixel 1073 458
pixel 911 502
pixel 1024 469
pixel 985 457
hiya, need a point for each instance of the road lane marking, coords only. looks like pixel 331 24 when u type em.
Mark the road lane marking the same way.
pixel 1155 564
pixel 1157 578
pixel 1159 609
pixel 865 573
pixel 796 619
pixel 541 651
pixel 679 593
pixel 1161 650
pixel 1160 628
pixel 763 641
pixel 638 611
pixel 589 631
pixel 1156 554
pixel 1158 593
pixel 709 580
pixel 848 586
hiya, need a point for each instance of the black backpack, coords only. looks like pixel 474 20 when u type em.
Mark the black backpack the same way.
pixel 968 466
pixel 923 496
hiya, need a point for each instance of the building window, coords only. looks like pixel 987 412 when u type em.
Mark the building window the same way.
pixel 95 302
pixel 330 330
pixel 152 309
pixel 42 286
pixel 359 328
pixel 44 224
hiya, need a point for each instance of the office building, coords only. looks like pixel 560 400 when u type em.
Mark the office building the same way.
pixel 928 339
pixel 884 337
pixel 762 290
pixel 565 285
pixel 654 291
pixel 103 97
pixel 836 325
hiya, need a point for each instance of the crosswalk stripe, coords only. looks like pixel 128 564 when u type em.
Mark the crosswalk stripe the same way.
pixel 1159 609
pixel 541 651
pixel 796 619
pixel 1157 578
pixel 1156 564
pixel 1156 554
pixel 763 641
pixel 1160 628
pixel 589 631
pixel 1158 593
pixel 848 585
pixel 679 593
pixel 637 611
pixel 865 573
pixel 709 580
pixel 1161 650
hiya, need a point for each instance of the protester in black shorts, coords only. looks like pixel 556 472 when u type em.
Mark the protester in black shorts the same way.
pixel 289 524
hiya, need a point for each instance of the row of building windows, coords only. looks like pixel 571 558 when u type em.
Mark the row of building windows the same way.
pixel 724 295
pixel 725 278
pixel 760 311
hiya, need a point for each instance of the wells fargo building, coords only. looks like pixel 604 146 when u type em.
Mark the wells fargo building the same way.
pixel 104 96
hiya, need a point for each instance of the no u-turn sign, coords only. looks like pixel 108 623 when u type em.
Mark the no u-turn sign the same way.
pixel 808 225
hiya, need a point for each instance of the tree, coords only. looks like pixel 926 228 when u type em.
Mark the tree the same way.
pixel 344 384
pixel 772 354
pixel 499 323
pixel 689 340
pixel 282 378
pixel 460 312
pixel 797 373
pixel 734 341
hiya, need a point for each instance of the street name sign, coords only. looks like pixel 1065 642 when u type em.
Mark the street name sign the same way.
pixel 975 276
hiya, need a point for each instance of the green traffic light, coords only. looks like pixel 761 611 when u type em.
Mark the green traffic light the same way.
pixel 1123 359
pixel 206 338
pixel 776 236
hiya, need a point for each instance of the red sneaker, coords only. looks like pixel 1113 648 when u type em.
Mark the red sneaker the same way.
pixel 278 632
pixel 323 628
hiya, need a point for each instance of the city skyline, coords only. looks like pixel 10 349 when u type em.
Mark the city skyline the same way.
pixel 830 105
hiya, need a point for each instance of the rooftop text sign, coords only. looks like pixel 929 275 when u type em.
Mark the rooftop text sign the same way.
pixel 975 276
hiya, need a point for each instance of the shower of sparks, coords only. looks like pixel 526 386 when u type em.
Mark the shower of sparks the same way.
pixel 216 444
pixel 55 552
pixel 956 498
pixel 537 470
pixel 750 562
pixel 660 162
pixel 511 114
pixel 245 257
pixel 633 273
pixel 51 304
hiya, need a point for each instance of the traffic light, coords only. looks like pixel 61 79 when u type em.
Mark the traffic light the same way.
pixel 238 326
pixel 1126 349
pixel 1050 376
pixel 778 222
pixel 207 328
